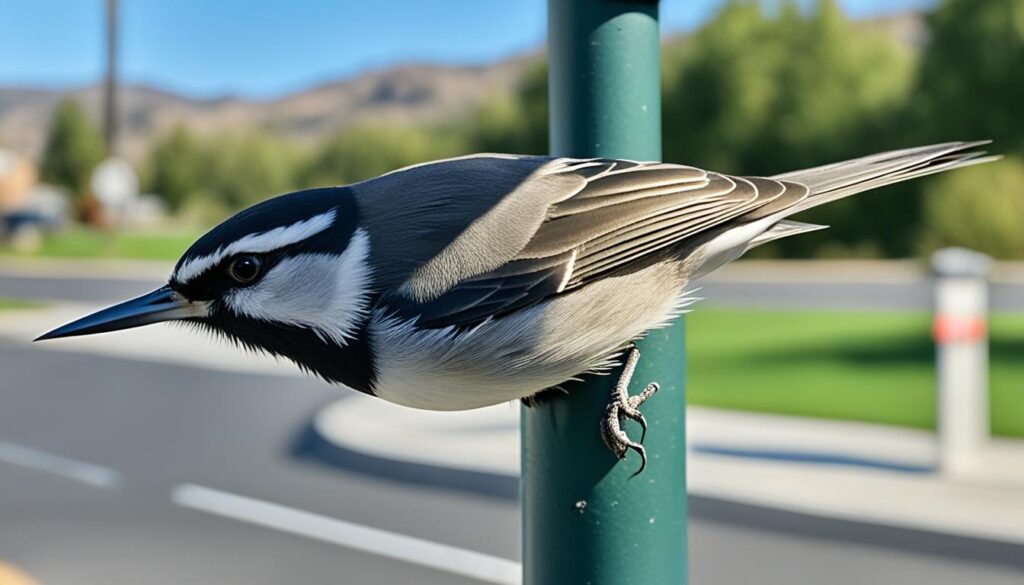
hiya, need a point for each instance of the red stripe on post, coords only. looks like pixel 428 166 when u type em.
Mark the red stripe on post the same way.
pixel 952 328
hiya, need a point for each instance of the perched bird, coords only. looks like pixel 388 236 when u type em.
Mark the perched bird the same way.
pixel 473 281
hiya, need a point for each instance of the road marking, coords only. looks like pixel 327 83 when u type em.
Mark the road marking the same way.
pixel 94 475
pixel 408 549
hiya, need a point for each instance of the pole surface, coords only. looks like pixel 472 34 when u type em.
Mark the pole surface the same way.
pixel 585 519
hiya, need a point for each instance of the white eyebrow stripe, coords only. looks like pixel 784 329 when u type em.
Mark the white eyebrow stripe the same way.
pixel 256 243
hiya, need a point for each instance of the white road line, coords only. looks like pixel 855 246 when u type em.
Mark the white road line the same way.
pixel 409 549
pixel 86 473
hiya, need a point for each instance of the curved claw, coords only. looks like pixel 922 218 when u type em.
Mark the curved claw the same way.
pixel 635 402
pixel 643 426
pixel 639 449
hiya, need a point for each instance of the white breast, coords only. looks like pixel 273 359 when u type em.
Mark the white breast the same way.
pixel 523 353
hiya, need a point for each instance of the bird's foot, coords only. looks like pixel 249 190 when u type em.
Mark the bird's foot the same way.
pixel 622 407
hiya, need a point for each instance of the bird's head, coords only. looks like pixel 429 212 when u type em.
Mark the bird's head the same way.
pixel 289 276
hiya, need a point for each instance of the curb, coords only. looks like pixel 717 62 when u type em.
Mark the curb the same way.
pixel 311 446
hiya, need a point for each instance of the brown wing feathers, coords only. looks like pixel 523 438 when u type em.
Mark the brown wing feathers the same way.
pixel 624 214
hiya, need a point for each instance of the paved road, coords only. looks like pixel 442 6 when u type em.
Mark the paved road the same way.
pixel 900 296
pixel 158 427
pixel 84 290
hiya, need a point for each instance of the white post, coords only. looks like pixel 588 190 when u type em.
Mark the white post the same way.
pixel 961 337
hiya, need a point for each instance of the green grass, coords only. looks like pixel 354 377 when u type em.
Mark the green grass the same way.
pixel 16 304
pixel 86 243
pixel 876 367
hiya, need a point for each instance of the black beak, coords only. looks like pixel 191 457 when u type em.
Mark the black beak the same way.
pixel 163 304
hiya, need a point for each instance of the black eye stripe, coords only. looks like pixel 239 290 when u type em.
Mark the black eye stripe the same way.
pixel 218 279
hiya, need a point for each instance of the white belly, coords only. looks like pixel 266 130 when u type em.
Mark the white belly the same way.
pixel 527 351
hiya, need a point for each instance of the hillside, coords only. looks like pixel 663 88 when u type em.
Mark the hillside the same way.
pixel 407 94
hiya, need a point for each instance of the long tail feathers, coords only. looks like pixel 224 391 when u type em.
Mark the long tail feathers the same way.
pixel 836 181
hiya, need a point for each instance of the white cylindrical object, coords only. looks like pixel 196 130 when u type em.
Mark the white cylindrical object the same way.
pixel 961 336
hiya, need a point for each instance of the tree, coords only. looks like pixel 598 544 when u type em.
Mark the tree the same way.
pixel 959 213
pixel 762 94
pixel 248 168
pixel 177 167
pixel 367 150
pixel 516 123
pixel 73 148
pixel 720 99
pixel 971 83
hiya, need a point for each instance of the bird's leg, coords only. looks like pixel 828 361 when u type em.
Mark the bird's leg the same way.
pixel 623 406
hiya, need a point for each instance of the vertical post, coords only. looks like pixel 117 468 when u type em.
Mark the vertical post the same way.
pixel 961 335
pixel 110 86
pixel 585 519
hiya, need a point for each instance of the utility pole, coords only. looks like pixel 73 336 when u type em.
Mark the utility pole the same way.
pixel 586 519
pixel 110 125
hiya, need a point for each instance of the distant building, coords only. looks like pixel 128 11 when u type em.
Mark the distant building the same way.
pixel 27 207
pixel 18 176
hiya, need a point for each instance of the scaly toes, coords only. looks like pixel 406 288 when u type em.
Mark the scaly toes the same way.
pixel 611 432
pixel 634 403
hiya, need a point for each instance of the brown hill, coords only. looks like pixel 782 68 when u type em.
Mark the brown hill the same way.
pixel 406 94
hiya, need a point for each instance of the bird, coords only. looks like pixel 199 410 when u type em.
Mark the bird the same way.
pixel 490 278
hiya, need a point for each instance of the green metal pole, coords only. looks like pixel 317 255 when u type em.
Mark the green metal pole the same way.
pixel 585 519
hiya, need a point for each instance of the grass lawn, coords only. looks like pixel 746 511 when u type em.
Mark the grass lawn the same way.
pixel 16 304
pixel 866 366
pixel 85 243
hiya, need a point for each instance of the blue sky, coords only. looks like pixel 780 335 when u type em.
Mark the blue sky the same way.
pixel 263 49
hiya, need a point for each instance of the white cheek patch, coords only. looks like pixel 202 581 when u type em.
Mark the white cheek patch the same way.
pixel 323 292
pixel 256 243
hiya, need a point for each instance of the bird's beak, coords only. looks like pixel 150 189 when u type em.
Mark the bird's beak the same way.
pixel 163 304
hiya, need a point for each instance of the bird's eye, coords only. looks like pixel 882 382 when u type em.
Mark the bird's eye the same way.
pixel 244 269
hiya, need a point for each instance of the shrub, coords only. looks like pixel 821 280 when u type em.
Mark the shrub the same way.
pixel 980 208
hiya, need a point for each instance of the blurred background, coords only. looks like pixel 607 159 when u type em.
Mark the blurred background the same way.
pixel 128 128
